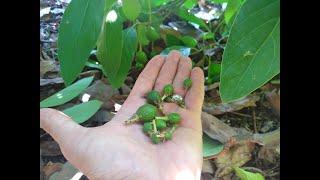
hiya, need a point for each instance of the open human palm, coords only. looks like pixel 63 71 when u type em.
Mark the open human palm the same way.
pixel 119 151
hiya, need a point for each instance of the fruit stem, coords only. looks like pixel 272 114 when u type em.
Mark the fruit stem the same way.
pixel 133 119
pixel 173 128
pixel 154 126
pixel 165 118
pixel 160 105
pixel 163 97
pixel 182 105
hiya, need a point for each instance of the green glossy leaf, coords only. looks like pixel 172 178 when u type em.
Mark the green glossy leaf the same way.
pixel 67 93
pixel 129 47
pixel 131 9
pixel 82 112
pixel 142 37
pixel 190 3
pixel 210 147
pixel 189 41
pixel 232 8
pixel 185 51
pixel 109 50
pixel 219 1
pixel 184 14
pixel 93 64
pixel 156 3
pixel 109 4
pixel 207 35
pixel 214 69
pixel 252 54
pixel 246 175
pixel 78 34
pixel 145 5
pixel 116 76
pixel 172 40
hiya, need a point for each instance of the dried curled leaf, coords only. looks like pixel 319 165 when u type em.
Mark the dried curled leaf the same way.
pixel 221 108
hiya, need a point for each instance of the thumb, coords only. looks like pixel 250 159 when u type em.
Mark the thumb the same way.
pixel 61 127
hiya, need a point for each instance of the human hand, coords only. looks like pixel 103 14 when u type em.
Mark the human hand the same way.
pixel 117 151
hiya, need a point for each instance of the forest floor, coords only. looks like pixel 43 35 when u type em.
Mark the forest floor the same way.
pixel 248 128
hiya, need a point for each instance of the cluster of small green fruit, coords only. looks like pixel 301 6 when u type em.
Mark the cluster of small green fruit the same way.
pixel 141 57
pixel 159 128
pixel 152 35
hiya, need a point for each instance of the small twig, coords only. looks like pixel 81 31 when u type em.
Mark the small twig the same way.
pixel 240 114
pixel 89 73
pixel 254 121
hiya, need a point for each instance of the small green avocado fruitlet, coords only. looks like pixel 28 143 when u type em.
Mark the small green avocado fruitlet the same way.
pixel 147 112
pixel 189 41
pixel 159 128
pixel 168 90
pixel 154 97
pixel 187 83
pixel 160 124
pixel 152 34
pixel 147 127
pixel 141 57
pixel 155 139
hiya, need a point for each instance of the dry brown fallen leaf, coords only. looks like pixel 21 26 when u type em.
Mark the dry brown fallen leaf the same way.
pixel 51 168
pixel 101 91
pixel 216 129
pixel 66 173
pixel 271 149
pixel 207 167
pixel 274 99
pixel 206 176
pixel 102 116
pixel 221 108
pixel 50 148
pixel 44 82
pixel 236 155
pixel 238 144
pixel 46 66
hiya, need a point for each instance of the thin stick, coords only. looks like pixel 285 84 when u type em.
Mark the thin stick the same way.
pixel 254 121
pixel 240 114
